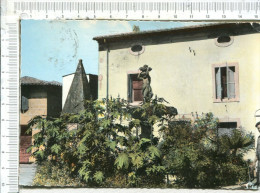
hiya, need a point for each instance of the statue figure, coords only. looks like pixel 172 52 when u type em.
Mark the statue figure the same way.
pixel 147 89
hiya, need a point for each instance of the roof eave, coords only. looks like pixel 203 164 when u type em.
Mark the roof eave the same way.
pixel 110 38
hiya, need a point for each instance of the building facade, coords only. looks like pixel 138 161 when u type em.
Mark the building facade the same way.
pixel 38 98
pixel 208 68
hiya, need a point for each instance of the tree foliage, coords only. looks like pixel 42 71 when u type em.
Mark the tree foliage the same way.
pixel 136 28
pixel 201 158
pixel 102 146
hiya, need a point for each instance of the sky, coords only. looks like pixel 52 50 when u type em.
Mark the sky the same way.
pixel 51 49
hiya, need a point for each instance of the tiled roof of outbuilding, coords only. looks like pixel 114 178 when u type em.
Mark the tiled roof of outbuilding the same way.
pixel 27 80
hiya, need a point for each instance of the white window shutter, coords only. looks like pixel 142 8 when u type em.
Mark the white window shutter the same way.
pixel 231 82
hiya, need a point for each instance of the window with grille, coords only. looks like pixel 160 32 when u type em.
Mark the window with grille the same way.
pixel 226 82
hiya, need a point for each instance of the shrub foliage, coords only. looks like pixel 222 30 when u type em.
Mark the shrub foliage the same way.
pixel 111 144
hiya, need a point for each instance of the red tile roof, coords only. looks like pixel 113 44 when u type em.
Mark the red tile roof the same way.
pixel 27 80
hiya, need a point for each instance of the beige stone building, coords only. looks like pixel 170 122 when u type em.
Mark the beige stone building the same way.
pixel 199 69
pixel 41 98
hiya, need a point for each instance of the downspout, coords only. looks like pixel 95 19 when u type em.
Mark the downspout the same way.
pixel 107 95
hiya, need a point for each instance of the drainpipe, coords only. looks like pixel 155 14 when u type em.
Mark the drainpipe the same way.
pixel 107 96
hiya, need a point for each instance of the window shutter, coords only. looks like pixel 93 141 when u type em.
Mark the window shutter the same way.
pixel 137 90
pixel 218 83
pixel 231 82
pixel 25 104
pixel 129 85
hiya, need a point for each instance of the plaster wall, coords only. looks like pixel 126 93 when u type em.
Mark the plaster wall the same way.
pixel 66 83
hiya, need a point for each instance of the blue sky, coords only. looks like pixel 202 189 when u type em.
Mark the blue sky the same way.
pixel 51 49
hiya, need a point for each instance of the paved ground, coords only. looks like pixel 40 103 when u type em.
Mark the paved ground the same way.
pixel 137 190
pixel 26 174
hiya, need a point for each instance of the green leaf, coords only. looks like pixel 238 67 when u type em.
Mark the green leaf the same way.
pixel 86 176
pixel 105 123
pixel 145 140
pixel 40 153
pixel 154 151
pixel 122 161
pixel 84 138
pixel 136 122
pixel 155 169
pixel 152 119
pixel 84 173
pixel 37 121
pixel 98 176
pixel 82 149
pixel 115 114
pixel 29 149
pixel 137 160
pixel 121 140
pixel 37 136
pixel 55 148
pixel 74 118
pixel 111 144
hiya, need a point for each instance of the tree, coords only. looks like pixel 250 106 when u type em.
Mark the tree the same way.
pixel 199 158
pixel 136 28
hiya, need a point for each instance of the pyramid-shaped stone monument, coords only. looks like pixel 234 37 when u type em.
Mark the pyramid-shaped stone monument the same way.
pixel 79 91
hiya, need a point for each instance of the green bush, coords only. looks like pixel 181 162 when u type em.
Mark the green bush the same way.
pixel 101 146
pixel 98 147
pixel 199 158
pixel 54 175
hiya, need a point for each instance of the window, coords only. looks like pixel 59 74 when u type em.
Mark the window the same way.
pixel 24 129
pixel 226 82
pixel 24 104
pixel 134 88
pixel 224 40
pixel 136 49
pixel 226 128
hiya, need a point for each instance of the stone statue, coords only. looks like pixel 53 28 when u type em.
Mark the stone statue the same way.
pixel 147 89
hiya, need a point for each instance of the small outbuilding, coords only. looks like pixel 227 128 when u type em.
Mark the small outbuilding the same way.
pixel 38 98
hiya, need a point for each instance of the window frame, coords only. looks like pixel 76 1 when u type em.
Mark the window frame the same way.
pixel 24 102
pixel 231 120
pixel 130 98
pixel 137 53
pixel 224 44
pixel 23 129
pixel 236 80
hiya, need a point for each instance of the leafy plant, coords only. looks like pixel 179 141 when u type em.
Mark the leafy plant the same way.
pixel 199 158
pixel 98 147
